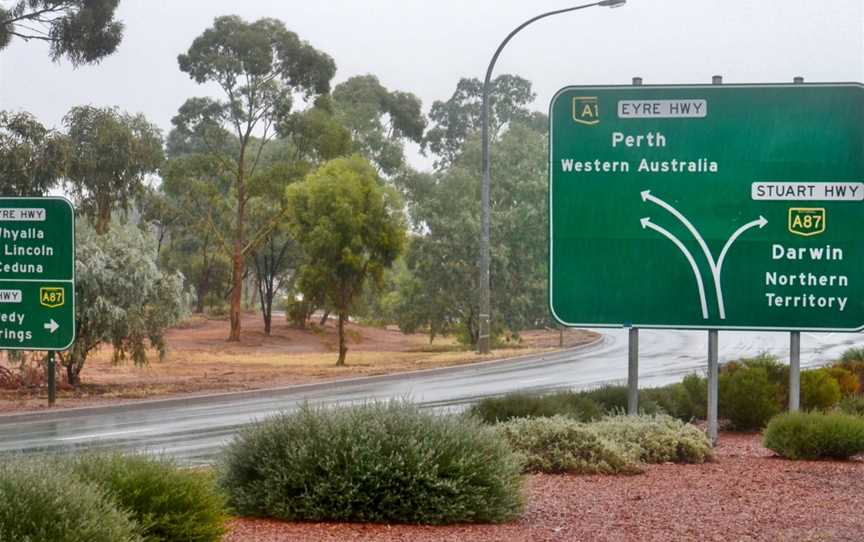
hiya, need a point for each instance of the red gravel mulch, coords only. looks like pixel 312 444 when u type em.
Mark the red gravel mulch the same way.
pixel 745 495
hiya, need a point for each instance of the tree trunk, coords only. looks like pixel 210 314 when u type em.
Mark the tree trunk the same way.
pixel 72 376
pixel 343 349
pixel 237 274
pixel 103 219
pixel 324 318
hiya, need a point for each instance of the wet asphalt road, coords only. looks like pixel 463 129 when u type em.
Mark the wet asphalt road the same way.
pixel 194 429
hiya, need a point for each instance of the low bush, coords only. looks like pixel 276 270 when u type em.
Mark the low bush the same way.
pixel 379 462
pixel 657 439
pixel 819 391
pixel 815 435
pixel 524 405
pixel 560 444
pixel 40 503
pixel 169 503
pixel 671 400
pixel 854 404
pixel 748 398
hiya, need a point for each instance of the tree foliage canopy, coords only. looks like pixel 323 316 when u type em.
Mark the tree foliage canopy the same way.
pixel 379 120
pixel 32 157
pixel 82 31
pixel 110 155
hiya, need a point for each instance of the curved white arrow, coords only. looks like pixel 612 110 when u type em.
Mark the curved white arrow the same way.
pixel 716 267
pixel 646 223
pixel 762 222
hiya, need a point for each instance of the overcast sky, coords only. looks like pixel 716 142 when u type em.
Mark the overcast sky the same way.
pixel 425 47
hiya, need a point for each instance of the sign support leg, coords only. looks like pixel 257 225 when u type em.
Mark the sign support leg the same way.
pixel 794 371
pixel 52 384
pixel 633 371
pixel 713 377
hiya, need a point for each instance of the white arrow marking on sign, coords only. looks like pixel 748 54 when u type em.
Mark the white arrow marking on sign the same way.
pixel 646 223
pixel 51 326
pixel 716 267
pixel 762 222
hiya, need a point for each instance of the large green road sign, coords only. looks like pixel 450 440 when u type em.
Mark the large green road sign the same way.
pixel 714 207
pixel 37 274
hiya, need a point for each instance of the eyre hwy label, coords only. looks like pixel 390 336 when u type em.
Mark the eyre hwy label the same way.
pixel 37 274
pixel 708 207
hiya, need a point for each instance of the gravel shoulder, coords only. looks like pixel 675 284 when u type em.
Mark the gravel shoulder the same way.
pixel 746 494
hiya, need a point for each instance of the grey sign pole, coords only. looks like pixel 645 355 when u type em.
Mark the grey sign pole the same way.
pixel 633 371
pixel 795 349
pixel 633 349
pixel 713 375
pixel 794 371
pixel 713 361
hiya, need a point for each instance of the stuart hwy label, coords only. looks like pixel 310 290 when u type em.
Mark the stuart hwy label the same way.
pixel 713 207
pixel 37 273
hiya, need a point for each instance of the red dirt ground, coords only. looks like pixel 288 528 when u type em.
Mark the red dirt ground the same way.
pixel 747 494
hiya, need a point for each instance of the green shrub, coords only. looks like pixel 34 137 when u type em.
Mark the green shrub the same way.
pixel 169 503
pixel 695 404
pixel 854 404
pixel 39 503
pixel 846 379
pixel 815 435
pixel 524 405
pixel 819 391
pixel 379 462
pixel 748 398
pixel 560 444
pixel 671 400
pixel 610 398
pixel 657 439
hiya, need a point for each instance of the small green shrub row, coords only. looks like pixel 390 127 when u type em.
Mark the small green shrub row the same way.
pixel 113 498
pixel 815 435
pixel 752 391
pixel 380 462
pixel 613 445
pixel 525 405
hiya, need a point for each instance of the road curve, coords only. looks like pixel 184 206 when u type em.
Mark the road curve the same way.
pixel 194 429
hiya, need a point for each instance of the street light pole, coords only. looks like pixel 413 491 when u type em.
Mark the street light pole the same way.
pixel 483 338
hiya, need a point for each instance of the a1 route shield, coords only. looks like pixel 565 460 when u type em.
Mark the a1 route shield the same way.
pixel 713 207
pixel 37 274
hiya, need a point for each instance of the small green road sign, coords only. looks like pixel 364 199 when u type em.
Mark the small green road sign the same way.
pixel 708 207
pixel 37 274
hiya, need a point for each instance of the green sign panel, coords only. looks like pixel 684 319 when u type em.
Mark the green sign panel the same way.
pixel 37 274
pixel 710 207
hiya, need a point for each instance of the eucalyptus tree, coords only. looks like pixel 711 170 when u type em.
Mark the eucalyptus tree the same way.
pixel 456 120
pixel 259 67
pixel 122 298
pixel 82 31
pixel 380 121
pixel 110 156
pixel 350 227
pixel 32 157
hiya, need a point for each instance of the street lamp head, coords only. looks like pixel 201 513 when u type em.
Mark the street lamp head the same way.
pixel 612 3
